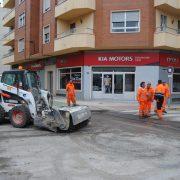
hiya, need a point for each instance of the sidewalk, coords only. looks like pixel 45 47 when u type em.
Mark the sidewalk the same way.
pixel 112 105
pixel 123 107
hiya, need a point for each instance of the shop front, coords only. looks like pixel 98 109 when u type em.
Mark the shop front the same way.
pixel 114 75
pixel 117 75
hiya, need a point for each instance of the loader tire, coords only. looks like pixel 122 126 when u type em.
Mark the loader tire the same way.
pixel 19 116
pixel 2 113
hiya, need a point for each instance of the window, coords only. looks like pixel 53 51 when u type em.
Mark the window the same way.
pixel 46 34
pixel 21 1
pixel 97 82
pixel 125 21
pixel 46 5
pixel 163 25
pixel 129 82
pixel 21 22
pixel 70 73
pixel 21 45
pixel 32 79
pixel 176 81
pixel 9 79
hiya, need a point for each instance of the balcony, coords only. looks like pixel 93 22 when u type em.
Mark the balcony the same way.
pixel 9 18
pixel 9 4
pixel 8 58
pixel 170 6
pixel 167 38
pixel 70 9
pixel 8 39
pixel 74 40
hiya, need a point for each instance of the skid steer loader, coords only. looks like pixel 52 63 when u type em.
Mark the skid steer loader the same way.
pixel 23 102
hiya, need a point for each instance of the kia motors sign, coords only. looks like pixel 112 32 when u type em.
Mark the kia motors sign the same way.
pixel 127 59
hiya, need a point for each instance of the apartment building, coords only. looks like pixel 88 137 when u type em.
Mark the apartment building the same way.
pixel 106 47
pixel 4 50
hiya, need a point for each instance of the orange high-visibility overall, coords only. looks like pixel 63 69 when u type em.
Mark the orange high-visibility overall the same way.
pixel 150 99
pixel 142 99
pixel 71 97
pixel 166 96
pixel 159 96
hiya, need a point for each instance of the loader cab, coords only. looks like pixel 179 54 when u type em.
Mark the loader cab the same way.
pixel 21 79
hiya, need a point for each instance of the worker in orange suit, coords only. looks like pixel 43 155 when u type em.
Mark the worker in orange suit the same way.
pixel 166 96
pixel 142 99
pixel 150 98
pixel 71 96
pixel 159 97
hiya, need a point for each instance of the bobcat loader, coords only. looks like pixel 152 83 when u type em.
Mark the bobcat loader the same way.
pixel 23 102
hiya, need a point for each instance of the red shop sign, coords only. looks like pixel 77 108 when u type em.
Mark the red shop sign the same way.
pixel 35 66
pixel 123 59
pixel 172 60
pixel 70 60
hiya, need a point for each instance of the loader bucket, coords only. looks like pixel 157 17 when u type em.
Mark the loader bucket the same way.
pixel 63 119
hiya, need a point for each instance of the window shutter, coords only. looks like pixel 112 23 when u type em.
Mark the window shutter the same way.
pixel 118 17
pixel 132 16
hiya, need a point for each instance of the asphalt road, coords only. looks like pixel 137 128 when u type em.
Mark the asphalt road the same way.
pixel 113 146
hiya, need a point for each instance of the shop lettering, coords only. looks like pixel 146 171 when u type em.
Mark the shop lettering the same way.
pixel 116 58
pixel 172 60
pixel 36 66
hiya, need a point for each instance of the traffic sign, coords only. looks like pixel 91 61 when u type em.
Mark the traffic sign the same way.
pixel 170 70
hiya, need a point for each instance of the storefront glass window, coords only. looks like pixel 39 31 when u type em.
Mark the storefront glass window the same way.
pixel 177 71
pixel 118 84
pixel 64 78
pixel 76 80
pixel 70 73
pixel 97 82
pixel 176 82
pixel 65 70
pixel 129 82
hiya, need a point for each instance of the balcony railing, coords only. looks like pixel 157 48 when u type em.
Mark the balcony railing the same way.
pixel 169 30
pixel 75 31
pixel 9 12
pixel 61 1
pixel 167 38
pixel 7 34
pixel 74 40
pixel 10 53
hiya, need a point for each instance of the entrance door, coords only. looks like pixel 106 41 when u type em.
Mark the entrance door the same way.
pixel 50 81
pixel 107 83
